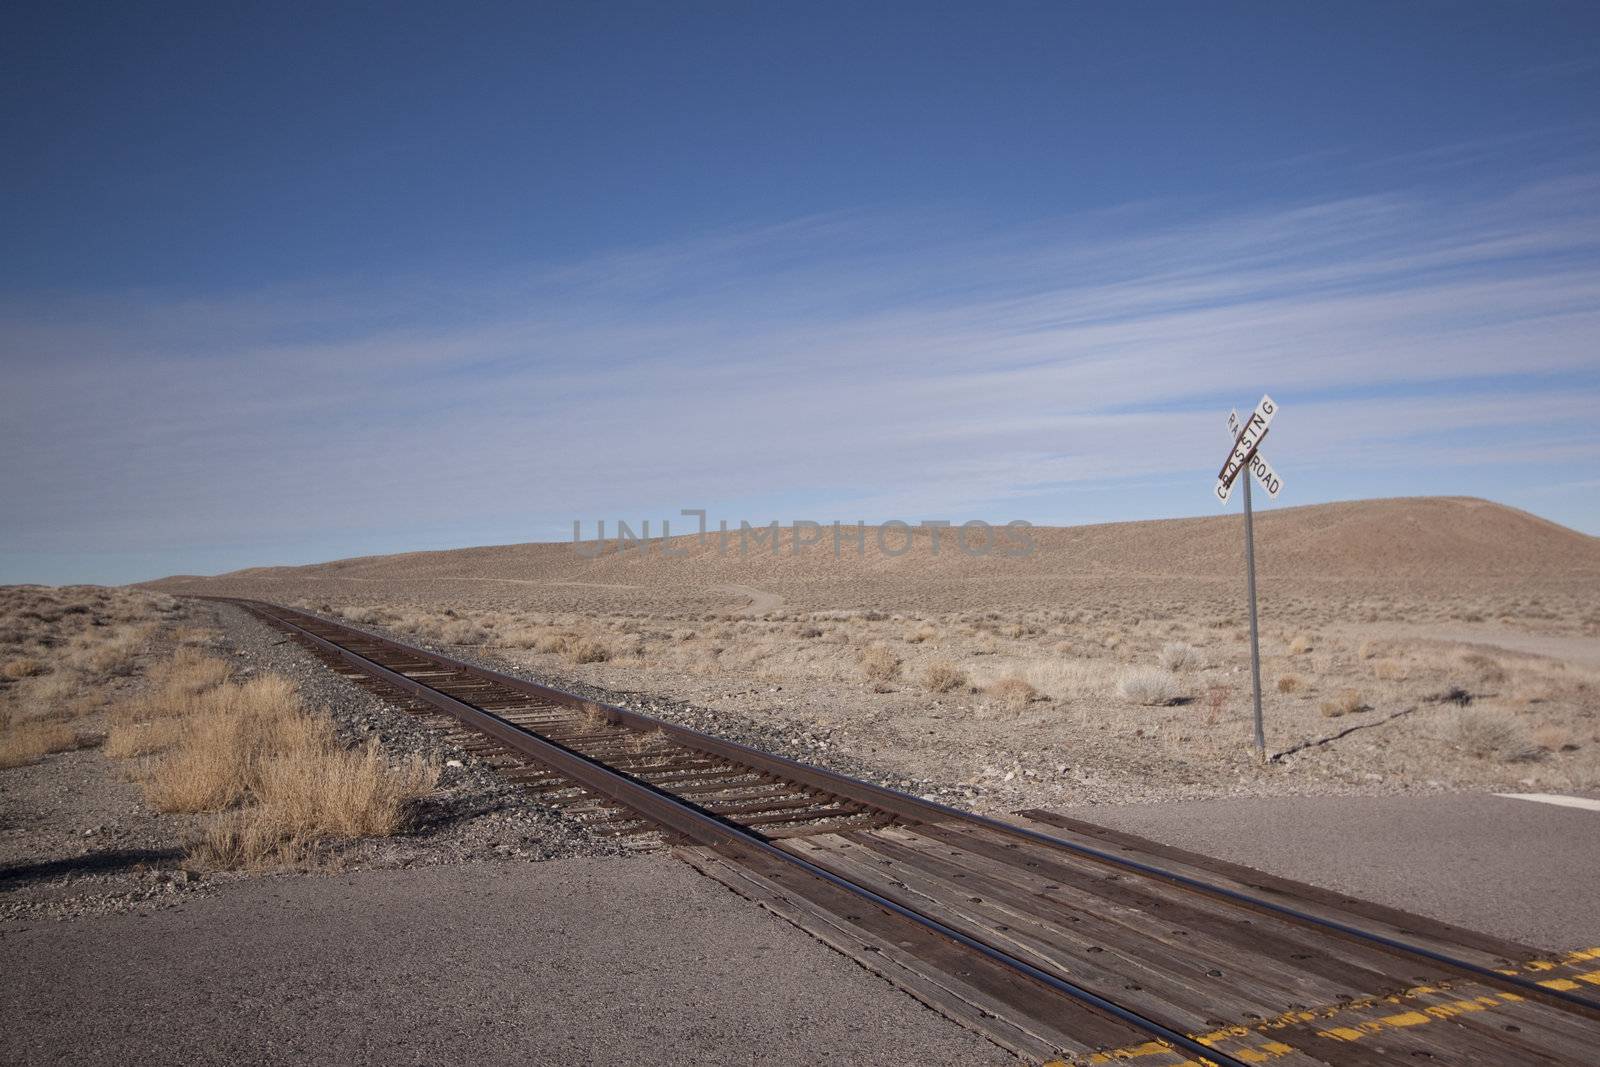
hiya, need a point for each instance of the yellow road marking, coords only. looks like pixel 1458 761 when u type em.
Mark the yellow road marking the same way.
pixel 1225 1038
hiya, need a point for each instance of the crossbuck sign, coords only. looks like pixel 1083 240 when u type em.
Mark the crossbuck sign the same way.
pixel 1245 458
pixel 1246 449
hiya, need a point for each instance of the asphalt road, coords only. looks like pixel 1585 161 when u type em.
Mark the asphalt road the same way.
pixel 637 961
pixel 643 961
pixel 1523 870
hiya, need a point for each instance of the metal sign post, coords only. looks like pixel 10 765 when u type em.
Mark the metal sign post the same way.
pixel 1255 633
pixel 1246 457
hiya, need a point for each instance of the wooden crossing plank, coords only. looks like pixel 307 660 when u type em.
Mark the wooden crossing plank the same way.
pixel 972 992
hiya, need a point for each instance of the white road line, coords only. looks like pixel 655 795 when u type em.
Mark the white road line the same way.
pixel 1555 798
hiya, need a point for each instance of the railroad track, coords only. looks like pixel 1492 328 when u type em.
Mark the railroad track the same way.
pixel 1061 941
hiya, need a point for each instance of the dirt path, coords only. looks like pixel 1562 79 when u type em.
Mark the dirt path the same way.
pixel 1576 650
pixel 761 601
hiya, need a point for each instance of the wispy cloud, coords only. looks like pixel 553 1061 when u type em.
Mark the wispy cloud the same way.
pixel 860 367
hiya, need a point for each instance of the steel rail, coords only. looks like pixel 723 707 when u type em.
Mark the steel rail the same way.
pixel 661 807
pixel 915 808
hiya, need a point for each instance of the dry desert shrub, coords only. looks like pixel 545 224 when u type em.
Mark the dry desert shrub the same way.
pixel 1149 686
pixel 362 616
pixel 23 667
pixel 114 655
pixel 879 665
pixel 588 650
pixel 463 632
pixel 1553 737
pixel 1492 735
pixel 1178 656
pixel 415 623
pixel 1013 691
pixel 1488 669
pixel 1348 702
pixel 521 637
pixel 1216 700
pixel 925 632
pixel 942 676
pixel 25 742
pixel 552 643
pixel 1300 644
pixel 1290 683
pixel 1368 649
pixel 1389 670
pixel 630 647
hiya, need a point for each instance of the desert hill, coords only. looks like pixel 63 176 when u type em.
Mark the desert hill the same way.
pixel 1432 540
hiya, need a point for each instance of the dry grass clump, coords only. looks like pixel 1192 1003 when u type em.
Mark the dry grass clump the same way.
pixel 189 671
pixel 318 794
pixel 1300 644
pixel 1178 656
pixel 942 676
pixel 588 650
pixel 227 737
pixel 1013 691
pixel 343 793
pixel 1290 683
pixel 253 753
pixel 1492 735
pixel 23 667
pixel 879 665
pixel 127 740
pixel 925 632
pixel 153 720
pixel 1071 678
pixel 25 742
pixel 1149 686
pixel 52 696
pixel 1348 702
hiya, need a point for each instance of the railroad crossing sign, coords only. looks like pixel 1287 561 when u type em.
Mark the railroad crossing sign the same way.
pixel 1266 477
pixel 1246 453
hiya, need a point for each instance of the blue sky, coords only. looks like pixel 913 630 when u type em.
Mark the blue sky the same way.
pixel 292 282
